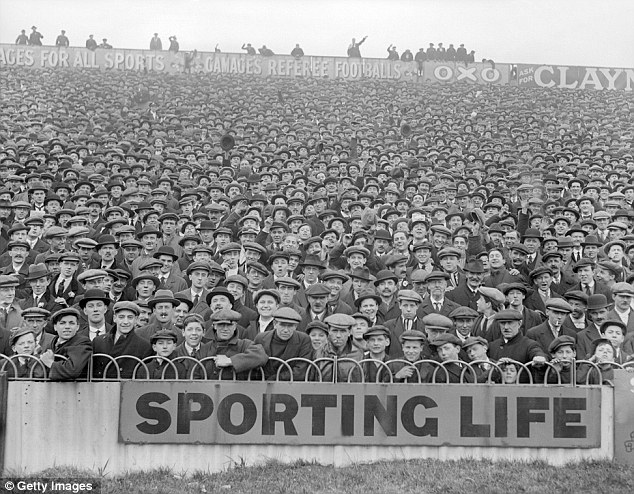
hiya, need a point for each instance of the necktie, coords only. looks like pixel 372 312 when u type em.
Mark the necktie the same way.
pixel 163 280
pixel 3 317
pixel 587 290
pixel 437 306
pixel 195 354
pixel 408 324
pixel 60 287
pixel 196 299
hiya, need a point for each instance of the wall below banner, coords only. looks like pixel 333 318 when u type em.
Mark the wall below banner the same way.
pixel 77 424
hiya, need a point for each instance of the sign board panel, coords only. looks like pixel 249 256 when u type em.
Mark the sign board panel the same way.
pixel 362 414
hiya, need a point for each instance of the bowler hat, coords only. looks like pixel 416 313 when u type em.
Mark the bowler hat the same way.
pixel 220 290
pixel 165 250
pixel 597 301
pixel 94 294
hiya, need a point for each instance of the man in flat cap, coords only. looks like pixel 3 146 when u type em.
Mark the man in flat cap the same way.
pixel 285 342
pixel 338 345
pixel 556 311
pixel 513 345
pixel 68 343
pixel 230 352
pixel 120 342
pixel 64 287
pixel 408 301
pixel 10 311
pixel 623 294
pixel 542 278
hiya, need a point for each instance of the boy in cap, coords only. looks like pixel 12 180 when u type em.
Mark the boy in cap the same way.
pixel 159 366
pixel 35 319
pixel 70 344
pixel 562 353
pixel 120 342
pixel 476 349
pixel 19 366
pixel 448 348
pixel 374 370
pixel 615 331
pixel 412 343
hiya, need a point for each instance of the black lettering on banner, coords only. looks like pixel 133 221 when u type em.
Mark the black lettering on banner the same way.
pixel 347 415
pixel 145 409
pixel 467 427
pixel 319 403
pixel 186 414
pixel 386 416
pixel 501 416
pixel 270 415
pixel 429 428
pixel 525 415
pixel 561 418
pixel 249 414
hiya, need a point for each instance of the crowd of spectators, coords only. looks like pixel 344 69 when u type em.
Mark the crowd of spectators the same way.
pixel 223 224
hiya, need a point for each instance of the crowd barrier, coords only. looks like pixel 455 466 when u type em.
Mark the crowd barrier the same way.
pixel 469 373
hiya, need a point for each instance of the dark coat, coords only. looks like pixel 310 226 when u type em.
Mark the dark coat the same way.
pixel 253 329
pixel 77 351
pixel 245 355
pixel 584 341
pixel 428 308
pixel 518 348
pixel 544 336
pixel 535 302
pixel 396 327
pixel 464 296
pixel 297 346
pixel 130 344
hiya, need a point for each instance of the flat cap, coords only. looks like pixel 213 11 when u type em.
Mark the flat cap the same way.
pixel 8 280
pixel 91 274
pixel 286 281
pixel 445 338
pixel 317 290
pixel 563 340
pixel 576 295
pixel 226 315
pixel 410 295
pixel 164 334
pixel 340 320
pixel 126 305
pixel 558 305
pixel 198 266
pixel 68 311
pixel 437 275
pixel 508 315
pixel 463 312
pixel 412 335
pixel 492 293
pixel 317 325
pixel 18 333
pixel 35 312
pixel 287 314
pixel 475 340
pixel 437 322
pixel 623 288
pixel 378 330
pixel 540 270
pixel 613 322
pixel 449 251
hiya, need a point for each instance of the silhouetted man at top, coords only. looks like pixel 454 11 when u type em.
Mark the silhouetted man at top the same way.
pixel 353 49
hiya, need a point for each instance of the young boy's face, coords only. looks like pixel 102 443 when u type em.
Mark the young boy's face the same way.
pixel 448 351
pixel 164 347
pixel 378 344
pixel 412 350
pixel 615 335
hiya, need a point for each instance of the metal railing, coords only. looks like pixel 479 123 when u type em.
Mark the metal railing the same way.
pixel 105 368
